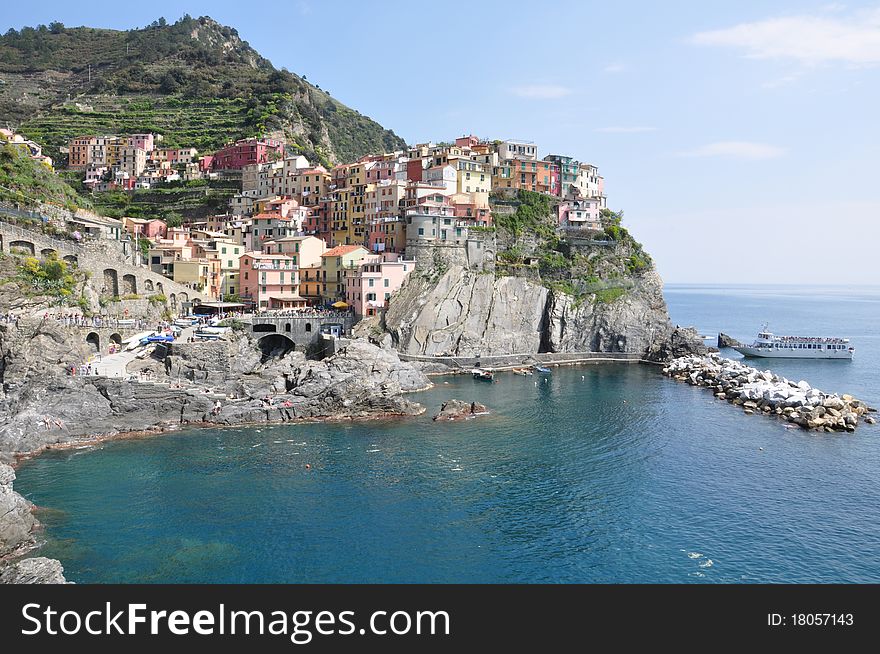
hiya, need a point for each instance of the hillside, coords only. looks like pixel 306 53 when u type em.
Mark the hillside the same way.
pixel 195 82
pixel 26 182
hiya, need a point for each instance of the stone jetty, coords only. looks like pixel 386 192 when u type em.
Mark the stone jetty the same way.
pixel 766 393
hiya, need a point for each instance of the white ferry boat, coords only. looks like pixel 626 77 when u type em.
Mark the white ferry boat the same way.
pixel 797 347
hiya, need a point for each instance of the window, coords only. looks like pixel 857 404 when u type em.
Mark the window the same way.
pixel 387 283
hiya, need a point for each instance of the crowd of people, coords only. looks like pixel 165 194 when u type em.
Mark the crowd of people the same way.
pixel 304 312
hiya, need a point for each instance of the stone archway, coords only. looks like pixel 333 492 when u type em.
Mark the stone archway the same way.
pixel 129 284
pixel 71 258
pixel 160 288
pixel 173 299
pixel 183 297
pixel 94 340
pixel 45 253
pixel 275 345
pixel 148 285
pixel 27 246
pixel 111 282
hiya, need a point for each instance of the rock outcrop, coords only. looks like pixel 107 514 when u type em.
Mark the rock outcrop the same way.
pixel 727 341
pixel 38 570
pixel 360 381
pixel 16 521
pixel 460 410
pixel 17 526
pixel 465 313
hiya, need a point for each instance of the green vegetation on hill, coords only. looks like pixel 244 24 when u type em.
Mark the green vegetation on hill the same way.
pixel 171 202
pixel 26 182
pixel 194 81
pixel 600 267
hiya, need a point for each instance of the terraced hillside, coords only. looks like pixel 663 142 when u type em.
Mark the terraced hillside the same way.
pixel 195 82
pixel 203 124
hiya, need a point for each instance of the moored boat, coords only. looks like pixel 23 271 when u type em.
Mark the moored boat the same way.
pixel 769 345
pixel 483 375
pixel 542 369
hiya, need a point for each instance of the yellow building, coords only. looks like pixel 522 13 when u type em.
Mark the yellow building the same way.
pixel 334 262
pixel 199 274
pixel 310 282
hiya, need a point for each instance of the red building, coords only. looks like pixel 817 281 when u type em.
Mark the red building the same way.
pixel 247 152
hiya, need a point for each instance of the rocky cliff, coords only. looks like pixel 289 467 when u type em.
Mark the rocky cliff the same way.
pixel 360 381
pixel 17 527
pixel 549 292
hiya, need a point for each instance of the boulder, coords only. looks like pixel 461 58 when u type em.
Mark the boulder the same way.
pixel 460 410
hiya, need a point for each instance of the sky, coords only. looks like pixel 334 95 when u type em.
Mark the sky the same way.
pixel 741 140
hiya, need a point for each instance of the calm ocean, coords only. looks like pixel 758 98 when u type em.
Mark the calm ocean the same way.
pixel 601 474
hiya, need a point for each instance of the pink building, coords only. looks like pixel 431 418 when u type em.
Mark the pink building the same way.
pixel 145 228
pixel 269 281
pixel 247 152
pixel 583 212
pixel 369 285
pixel 143 141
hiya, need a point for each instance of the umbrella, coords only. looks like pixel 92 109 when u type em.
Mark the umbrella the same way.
pixel 339 305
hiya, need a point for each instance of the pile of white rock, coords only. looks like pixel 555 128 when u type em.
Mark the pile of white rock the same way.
pixel 763 392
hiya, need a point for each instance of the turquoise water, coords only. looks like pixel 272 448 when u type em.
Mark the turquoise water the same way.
pixel 602 474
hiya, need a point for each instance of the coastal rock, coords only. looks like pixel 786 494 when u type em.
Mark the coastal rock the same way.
pixel 460 410
pixel 360 381
pixel 466 313
pixel 771 394
pixel 727 341
pixel 16 520
pixel 38 570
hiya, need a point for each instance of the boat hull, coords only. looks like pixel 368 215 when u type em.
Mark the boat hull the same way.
pixel 784 353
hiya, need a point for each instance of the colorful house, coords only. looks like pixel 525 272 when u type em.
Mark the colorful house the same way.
pixel 369 284
pixel 269 281
pixel 334 262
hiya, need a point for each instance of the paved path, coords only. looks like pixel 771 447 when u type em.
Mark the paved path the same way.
pixel 116 365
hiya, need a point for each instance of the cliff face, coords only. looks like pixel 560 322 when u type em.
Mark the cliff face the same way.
pixel 547 292
pixel 468 314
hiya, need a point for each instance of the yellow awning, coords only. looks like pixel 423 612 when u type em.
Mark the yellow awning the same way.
pixel 339 305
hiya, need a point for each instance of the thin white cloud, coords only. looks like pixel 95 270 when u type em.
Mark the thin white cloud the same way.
pixel 305 9
pixel 614 68
pixel 852 39
pixel 736 150
pixel 541 91
pixel 625 130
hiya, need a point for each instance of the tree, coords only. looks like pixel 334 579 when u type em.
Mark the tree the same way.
pixel 56 27
pixel 173 219
pixel 162 22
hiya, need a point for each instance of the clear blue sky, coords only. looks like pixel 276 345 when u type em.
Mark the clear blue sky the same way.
pixel 741 139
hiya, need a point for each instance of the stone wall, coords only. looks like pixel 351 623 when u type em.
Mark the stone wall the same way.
pixel 303 331
pixel 111 274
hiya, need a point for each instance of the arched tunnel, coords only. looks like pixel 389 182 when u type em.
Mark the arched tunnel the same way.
pixel 275 345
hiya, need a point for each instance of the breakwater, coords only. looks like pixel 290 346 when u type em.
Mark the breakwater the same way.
pixel 767 393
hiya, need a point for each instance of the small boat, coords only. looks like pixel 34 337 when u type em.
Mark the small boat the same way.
pixel 160 338
pixel 522 371
pixel 483 375
pixel 542 369
pixel 769 345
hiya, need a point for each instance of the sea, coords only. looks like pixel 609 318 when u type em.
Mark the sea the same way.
pixel 597 473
